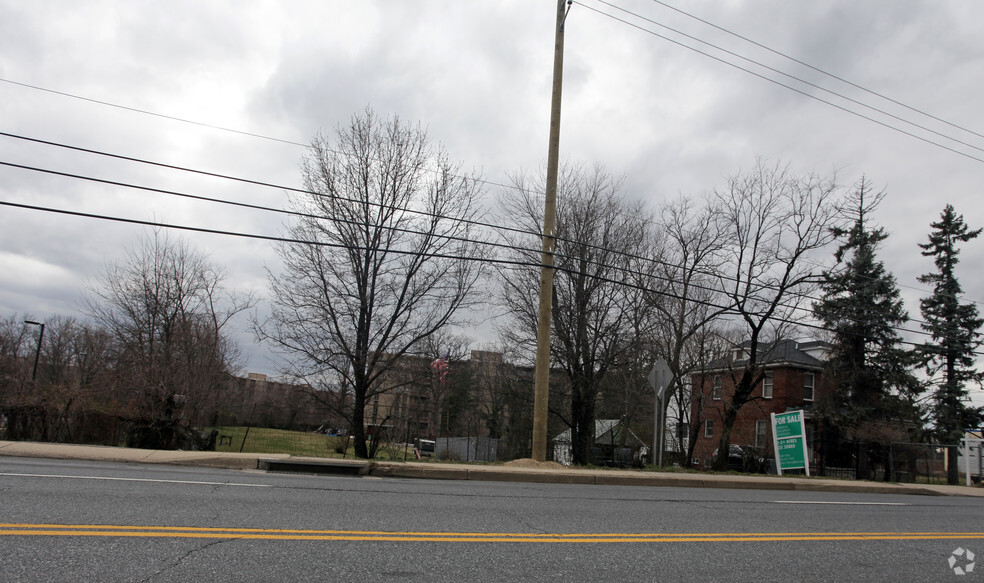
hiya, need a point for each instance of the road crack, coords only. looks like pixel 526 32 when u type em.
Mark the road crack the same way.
pixel 177 563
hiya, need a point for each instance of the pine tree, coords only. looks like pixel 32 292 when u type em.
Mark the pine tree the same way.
pixel 868 376
pixel 949 356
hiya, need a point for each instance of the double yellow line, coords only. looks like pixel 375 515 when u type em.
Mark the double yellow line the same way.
pixel 108 530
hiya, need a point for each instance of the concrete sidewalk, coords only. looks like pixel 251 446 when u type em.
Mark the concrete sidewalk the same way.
pixel 211 459
pixel 447 471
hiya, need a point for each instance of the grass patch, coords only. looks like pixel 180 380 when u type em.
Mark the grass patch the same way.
pixel 297 443
pixel 264 440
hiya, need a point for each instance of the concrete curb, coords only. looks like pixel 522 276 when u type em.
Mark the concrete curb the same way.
pixel 440 471
pixel 313 466
pixel 211 459
pixel 498 474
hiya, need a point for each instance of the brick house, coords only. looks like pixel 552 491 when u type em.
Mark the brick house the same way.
pixel 793 380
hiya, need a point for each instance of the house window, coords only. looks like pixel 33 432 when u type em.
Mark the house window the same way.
pixel 809 381
pixel 767 386
pixel 716 391
pixel 709 428
pixel 761 432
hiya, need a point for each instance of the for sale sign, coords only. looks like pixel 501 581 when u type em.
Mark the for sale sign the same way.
pixel 789 441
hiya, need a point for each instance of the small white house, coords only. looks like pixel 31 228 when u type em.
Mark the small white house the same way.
pixel 611 446
pixel 975 461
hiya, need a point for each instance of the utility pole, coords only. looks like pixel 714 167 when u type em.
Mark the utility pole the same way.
pixel 541 383
pixel 37 354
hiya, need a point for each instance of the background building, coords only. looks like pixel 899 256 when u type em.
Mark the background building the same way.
pixel 792 379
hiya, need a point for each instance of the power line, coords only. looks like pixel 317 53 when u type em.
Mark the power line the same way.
pixel 257 207
pixel 289 240
pixel 789 87
pixel 152 113
pixel 793 77
pixel 251 206
pixel 291 142
pixel 271 238
pixel 228 202
pixel 254 182
pixel 492 226
pixel 193 122
pixel 295 143
pixel 512 247
pixel 819 70
pixel 478 223
pixel 723 309
pixel 478 180
pixel 924 290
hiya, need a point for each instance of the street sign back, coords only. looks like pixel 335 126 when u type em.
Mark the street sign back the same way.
pixel 659 378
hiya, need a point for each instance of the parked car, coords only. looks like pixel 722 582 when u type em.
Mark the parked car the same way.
pixel 424 447
pixel 746 458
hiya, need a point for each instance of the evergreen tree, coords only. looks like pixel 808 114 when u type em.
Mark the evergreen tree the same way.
pixel 869 382
pixel 949 356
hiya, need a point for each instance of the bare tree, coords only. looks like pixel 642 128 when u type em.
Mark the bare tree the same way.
pixel 73 379
pixel 15 350
pixel 682 292
pixel 18 397
pixel 774 221
pixel 166 309
pixel 57 385
pixel 384 255
pixel 593 309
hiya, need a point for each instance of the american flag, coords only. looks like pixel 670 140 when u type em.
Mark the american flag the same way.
pixel 441 366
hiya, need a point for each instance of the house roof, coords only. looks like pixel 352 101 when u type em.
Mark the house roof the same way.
pixel 605 430
pixel 783 352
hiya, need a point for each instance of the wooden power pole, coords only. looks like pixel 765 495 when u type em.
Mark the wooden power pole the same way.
pixel 541 386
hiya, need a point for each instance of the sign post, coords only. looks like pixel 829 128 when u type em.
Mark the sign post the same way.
pixel 659 378
pixel 789 441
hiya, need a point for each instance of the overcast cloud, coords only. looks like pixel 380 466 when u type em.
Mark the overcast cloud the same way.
pixel 477 74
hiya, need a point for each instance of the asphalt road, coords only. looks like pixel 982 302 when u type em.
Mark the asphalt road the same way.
pixel 90 521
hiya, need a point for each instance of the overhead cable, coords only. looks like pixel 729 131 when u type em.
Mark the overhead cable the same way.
pixel 789 87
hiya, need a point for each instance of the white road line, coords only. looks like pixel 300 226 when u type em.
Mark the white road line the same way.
pixel 839 503
pixel 107 478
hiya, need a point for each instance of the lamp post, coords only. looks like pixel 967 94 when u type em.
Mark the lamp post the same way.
pixel 37 353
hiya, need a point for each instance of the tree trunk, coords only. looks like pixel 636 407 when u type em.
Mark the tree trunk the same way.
pixel 738 400
pixel 953 465
pixel 359 423
pixel 582 426
pixel 724 443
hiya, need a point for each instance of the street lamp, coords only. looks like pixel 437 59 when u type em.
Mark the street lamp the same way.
pixel 37 354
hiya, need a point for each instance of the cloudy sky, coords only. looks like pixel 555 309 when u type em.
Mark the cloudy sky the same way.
pixel 670 119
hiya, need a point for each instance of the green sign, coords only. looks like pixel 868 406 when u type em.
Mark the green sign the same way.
pixel 788 424
pixel 792 453
pixel 789 440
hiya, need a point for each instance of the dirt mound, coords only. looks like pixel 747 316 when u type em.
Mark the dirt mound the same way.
pixel 532 463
